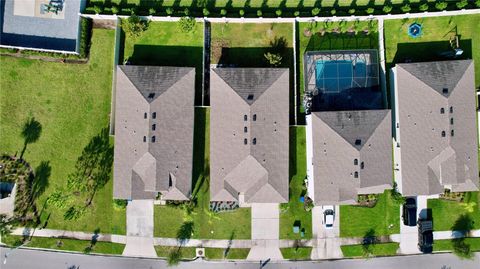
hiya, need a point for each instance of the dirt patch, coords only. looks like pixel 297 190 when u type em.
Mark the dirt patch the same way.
pixel 104 24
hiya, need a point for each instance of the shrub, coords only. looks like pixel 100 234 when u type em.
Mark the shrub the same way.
pixel 187 24
pixel 462 4
pixel 205 12
pixel 223 12
pixel 115 10
pixel 351 11
pixel 370 10
pixel 296 13
pixel 98 9
pixel 333 11
pixel 85 35
pixel 174 257
pixel 387 9
pixel 406 8
pixel 477 3
pixel 169 11
pixel 133 11
pixel 134 26
pixel 278 12
pixel 274 59
pixel 120 203
pixel 241 12
pixel 259 13
pixel 441 5
pixel 152 11
pixel 315 11
pixel 186 11
pixel 423 7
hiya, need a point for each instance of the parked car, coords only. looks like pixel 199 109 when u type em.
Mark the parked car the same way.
pixel 328 216
pixel 425 235
pixel 409 213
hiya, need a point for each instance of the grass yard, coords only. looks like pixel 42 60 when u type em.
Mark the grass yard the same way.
pixel 72 103
pixel 450 214
pixel 185 252
pixel 293 211
pixel 163 43
pixel 233 253
pixel 171 220
pixel 346 39
pixel 437 31
pixel 382 219
pixel 382 249
pixel 67 244
pixel 446 245
pixel 300 253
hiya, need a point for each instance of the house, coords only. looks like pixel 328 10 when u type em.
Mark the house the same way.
pixel 435 127
pixel 41 24
pixel 249 135
pixel 154 123
pixel 348 153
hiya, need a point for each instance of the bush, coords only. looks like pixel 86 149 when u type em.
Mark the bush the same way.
pixel 223 12
pixel 134 26
pixel 115 9
pixel 98 9
pixel 186 11
pixel 85 35
pixel 370 10
pixel 423 7
pixel 477 3
pixel 333 12
pixel 187 24
pixel 169 11
pixel 406 8
pixel 278 12
pixel 152 11
pixel 205 12
pixel 241 12
pixel 315 11
pixel 441 5
pixel 462 4
pixel 296 13
pixel 351 11
pixel 120 203
pixel 259 13
pixel 387 9
pixel 274 59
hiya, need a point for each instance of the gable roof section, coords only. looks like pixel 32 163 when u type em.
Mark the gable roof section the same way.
pixel 351 154
pixel 154 117
pixel 437 130
pixel 249 136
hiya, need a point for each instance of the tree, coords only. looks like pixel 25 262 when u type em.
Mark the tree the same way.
pixel 186 11
pixel 223 12
pixel 462 4
pixel 278 12
pixel 406 8
pixel 315 11
pixel 59 199
pixel 151 11
pixel 206 12
pixel 477 3
pixel 31 133
pixel 5 225
pixel 114 9
pixel 186 24
pixel 169 11
pixel 387 9
pixel 351 11
pixel 296 13
pixel 241 12
pixel 370 10
pixel 423 7
pixel 98 9
pixel 259 13
pixel 134 26
pixel 274 59
pixel 333 12
pixel 441 5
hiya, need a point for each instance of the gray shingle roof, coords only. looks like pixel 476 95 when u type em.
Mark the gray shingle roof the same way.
pixel 352 154
pixel 437 130
pixel 154 132
pixel 249 136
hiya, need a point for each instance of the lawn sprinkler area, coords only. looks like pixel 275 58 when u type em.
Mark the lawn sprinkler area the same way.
pixel 415 30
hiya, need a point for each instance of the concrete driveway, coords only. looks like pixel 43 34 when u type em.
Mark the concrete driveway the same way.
pixel 409 234
pixel 140 229
pixel 326 243
pixel 265 233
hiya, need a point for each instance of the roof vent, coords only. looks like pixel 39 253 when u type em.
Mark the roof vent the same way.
pixel 358 142
pixel 250 97
pixel 151 95
pixel 445 90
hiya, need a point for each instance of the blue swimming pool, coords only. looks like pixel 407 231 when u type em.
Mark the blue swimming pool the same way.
pixel 336 76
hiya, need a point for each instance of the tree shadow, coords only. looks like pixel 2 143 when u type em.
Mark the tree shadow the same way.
pixel 40 179
pixel 463 224
pixel 31 133
pixel 185 232
pixel 368 241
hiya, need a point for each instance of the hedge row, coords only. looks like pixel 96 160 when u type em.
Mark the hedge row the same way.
pixel 85 36
pixel 96 8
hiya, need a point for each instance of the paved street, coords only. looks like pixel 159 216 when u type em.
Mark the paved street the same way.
pixel 34 259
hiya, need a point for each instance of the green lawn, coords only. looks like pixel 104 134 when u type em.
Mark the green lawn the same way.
pixel 72 103
pixel 331 41
pixel 206 225
pixel 68 244
pixel 358 221
pixel 383 249
pixel 185 252
pixel 446 245
pixel 293 211
pixel 233 253
pixel 435 39
pixel 446 213
pixel 301 253
pixel 163 43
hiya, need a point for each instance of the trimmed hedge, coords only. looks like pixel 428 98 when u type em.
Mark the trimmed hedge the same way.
pixel 85 36
pixel 271 12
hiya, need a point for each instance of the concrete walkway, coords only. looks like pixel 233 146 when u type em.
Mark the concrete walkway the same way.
pixel 139 241
pixel 265 233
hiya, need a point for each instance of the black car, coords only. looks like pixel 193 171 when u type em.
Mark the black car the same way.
pixel 425 235
pixel 409 213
